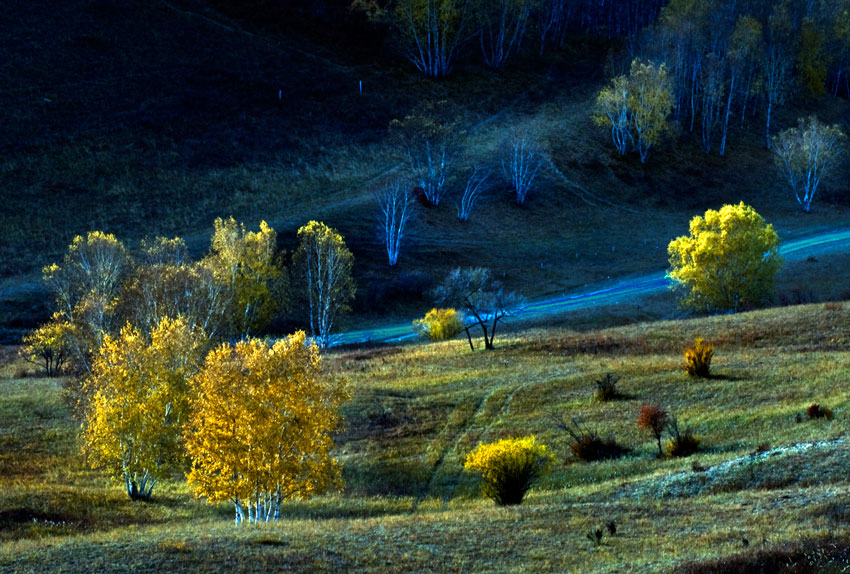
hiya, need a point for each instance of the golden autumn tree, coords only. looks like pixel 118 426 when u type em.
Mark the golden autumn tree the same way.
pixel 247 263
pixel 262 418
pixel 49 345
pixel 167 283
pixel 637 108
pixel 325 264
pixel 139 403
pixel 86 287
pixel 729 260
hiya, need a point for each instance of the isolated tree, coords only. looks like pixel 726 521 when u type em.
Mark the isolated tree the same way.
pixel 325 266
pixel 522 158
pixel 86 287
pixel 262 418
pixel 166 283
pixel 477 185
pixel 729 260
pixel 502 25
pixel 247 263
pixel 49 346
pixel 139 403
pixel 806 153
pixel 396 207
pixel 482 299
pixel 637 108
pixel 428 138
pixel 654 419
pixel 432 31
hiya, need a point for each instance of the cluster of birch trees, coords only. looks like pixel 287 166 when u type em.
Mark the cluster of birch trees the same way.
pixel 731 60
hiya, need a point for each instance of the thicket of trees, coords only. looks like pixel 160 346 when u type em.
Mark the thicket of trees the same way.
pixel 136 332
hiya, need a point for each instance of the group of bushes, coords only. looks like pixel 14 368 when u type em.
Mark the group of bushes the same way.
pixel 510 466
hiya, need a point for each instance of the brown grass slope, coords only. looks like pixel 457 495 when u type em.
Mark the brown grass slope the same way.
pixel 762 476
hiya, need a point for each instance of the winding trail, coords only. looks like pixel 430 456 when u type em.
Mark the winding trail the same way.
pixel 606 294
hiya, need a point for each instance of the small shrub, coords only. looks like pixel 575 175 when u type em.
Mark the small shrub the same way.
pixel 606 388
pixel 595 536
pixel 681 444
pixel 653 418
pixel 509 467
pixel 439 324
pixel 816 411
pixel 588 446
pixel 698 359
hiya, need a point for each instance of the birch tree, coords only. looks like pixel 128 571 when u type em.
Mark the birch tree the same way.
pixel 777 63
pixel 167 283
pixel 432 31
pixel 637 108
pixel 246 262
pixel 86 287
pixel 139 403
pixel 805 154
pixel 651 102
pixel 728 261
pixel 742 55
pixel 428 138
pixel 612 110
pixel 476 185
pixel 522 158
pixel 262 418
pixel 502 26
pixel 325 266
pixel 396 207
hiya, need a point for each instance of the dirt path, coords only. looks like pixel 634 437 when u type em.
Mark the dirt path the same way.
pixel 611 292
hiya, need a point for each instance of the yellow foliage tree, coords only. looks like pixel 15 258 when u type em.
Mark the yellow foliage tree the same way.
pixel 49 345
pixel 139 403
pixel 167 283
pixel 86 288
pixel 246 262
pixel 262 420
pixel 637 108
pixel 729 260
pixel 325 264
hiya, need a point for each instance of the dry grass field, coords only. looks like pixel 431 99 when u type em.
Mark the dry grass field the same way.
pixel 769 485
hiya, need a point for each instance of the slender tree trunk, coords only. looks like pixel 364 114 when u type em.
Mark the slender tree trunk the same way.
pixel 728 111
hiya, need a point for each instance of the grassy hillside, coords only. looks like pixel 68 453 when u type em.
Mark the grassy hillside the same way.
pixel 145 118
pixel 416 411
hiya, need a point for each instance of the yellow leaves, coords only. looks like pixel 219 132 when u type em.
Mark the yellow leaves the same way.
pixel 261 419
pixel 728 261
pixel 509 467
pixel 636 108
pixel 440 324
pixel 139 398
pixel 246 261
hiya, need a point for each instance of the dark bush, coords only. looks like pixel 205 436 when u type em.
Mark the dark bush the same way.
pixel 816 411
pixel 606 388
pixel 681 443
pixel 588 446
